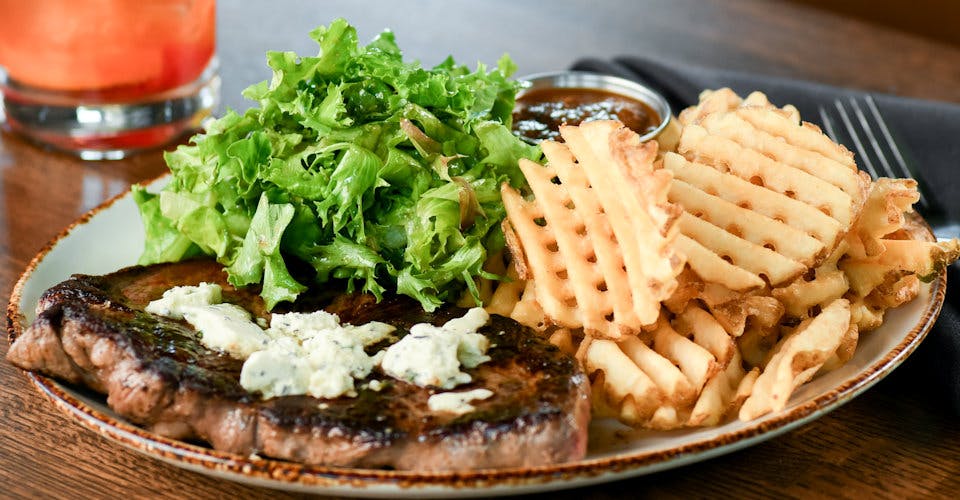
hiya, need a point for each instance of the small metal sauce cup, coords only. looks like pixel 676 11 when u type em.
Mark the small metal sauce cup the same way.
pixel 613 84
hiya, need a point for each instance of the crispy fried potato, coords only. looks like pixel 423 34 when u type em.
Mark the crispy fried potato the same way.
pixel 770 253
pixel 711 101
pixel 596 240
pixel 516 299
pixel 706 332
pixel 886 255
pixel 806 218
pixel 669 379
pixel 815 289
pixel 760 189
pixel 883 213
pixel 755 344
pixel 625 388
pixel 719 395
pixel 735 312
pixel 925 259
pixel 796 359
pixel 677 389
pixel 696 362
pixel 846 349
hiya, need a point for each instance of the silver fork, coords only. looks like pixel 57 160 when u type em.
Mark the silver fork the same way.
pixel 871 143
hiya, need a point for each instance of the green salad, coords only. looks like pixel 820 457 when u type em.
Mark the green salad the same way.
pixel 357 165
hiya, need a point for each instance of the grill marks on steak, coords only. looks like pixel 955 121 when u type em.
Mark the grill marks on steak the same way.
pixel 92 330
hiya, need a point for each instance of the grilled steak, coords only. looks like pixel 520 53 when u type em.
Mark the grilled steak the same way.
pixel 92 330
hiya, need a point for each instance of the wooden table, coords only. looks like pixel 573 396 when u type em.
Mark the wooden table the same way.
pixel 894 440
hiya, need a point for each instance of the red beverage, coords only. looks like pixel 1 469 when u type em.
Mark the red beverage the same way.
pixel 107 75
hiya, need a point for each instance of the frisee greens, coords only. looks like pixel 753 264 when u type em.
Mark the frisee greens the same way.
pixel 357 164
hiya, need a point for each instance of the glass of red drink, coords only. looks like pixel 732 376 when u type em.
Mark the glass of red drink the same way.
pixel 104 78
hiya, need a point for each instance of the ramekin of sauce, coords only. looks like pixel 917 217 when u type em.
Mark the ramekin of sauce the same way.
pixel 573 97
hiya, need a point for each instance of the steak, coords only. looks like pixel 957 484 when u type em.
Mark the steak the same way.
pixel 93 331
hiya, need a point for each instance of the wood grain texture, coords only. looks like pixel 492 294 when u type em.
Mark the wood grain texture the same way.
pixel 896 440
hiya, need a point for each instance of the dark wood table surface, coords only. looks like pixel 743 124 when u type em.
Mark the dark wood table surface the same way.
pixel 893 441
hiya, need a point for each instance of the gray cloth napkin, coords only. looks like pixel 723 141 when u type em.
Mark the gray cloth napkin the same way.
pixel 928 133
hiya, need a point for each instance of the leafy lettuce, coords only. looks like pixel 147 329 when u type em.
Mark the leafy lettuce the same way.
pixel 357 165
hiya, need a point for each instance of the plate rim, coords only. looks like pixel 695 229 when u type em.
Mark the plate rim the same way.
pixel 365 482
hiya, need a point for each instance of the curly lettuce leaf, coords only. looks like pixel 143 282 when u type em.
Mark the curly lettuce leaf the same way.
pixel 356 164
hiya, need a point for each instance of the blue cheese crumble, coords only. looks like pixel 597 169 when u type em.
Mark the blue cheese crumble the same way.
pixel 314 354
pixel 457 403
pixel 224 327
pixel 176 299
pixel 432 355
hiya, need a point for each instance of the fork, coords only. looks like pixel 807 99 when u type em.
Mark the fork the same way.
pixel 872 142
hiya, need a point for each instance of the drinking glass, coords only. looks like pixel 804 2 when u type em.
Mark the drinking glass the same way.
pixel 104 78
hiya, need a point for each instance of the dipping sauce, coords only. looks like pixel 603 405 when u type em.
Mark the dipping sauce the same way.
pixel 539 113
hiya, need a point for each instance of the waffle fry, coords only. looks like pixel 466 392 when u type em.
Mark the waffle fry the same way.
pixel 796 359
pixel 791 256
pixel 516 299
pixel 734 311
pixel 816 289
pixel 712 101
pixel 685 372
pixel 706 332
pixel 720 395
pixel 620 386
pixel 672 382
pixel 883 213
pixel 878 264
pixel 694 361
pixel 596 240
pixel 761 190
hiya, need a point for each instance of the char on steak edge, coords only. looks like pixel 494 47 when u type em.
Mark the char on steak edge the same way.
pixel 93 331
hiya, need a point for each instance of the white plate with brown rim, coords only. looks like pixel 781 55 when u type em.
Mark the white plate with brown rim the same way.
pixel 111 237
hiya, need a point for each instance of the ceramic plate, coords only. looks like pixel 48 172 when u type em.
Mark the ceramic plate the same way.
pixel 111 236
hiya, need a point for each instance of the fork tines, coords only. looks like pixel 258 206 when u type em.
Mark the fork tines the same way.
pixel 870 136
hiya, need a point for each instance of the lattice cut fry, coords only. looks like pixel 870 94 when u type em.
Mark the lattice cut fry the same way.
pixel 755 344
pixel 816 289
pixel 625 389
pixel 597 239
pixel 740 192
pixel 805 136
pixel 711 101
pixel 796 359
pixel 846 349
pixel 865 277
pixel 719 395
pixel 689 287
pixel 696 362
pixel 801 295
pixel 883 213
pixel 759 260
pixel 864 315
pixel 926 259
pixel 677 389
pixel 517 300
pixel 563 339
pixel 668 373
pixel 773 195
pixel 747 224
pixel 698 144
pixel 714 268
pixel 767 243
pixel 734 311
pixel 706 332
pixel 776 137
pixel 886 253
